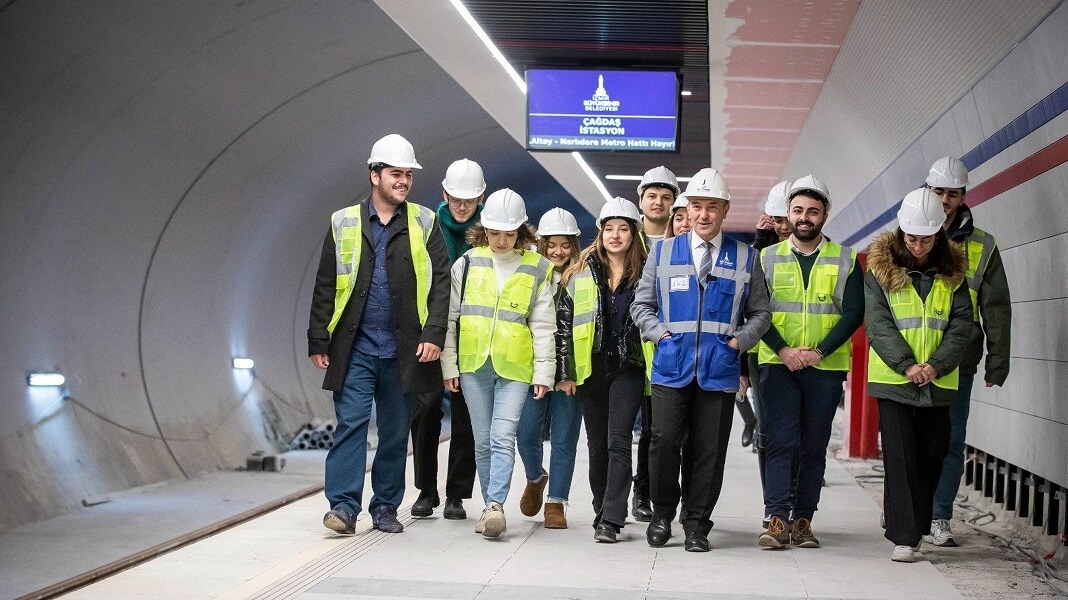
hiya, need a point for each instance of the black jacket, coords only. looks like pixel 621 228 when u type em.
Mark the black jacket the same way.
pixel 630 343
pixel 417 377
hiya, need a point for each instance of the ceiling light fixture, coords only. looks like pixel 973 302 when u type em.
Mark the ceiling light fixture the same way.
pixel 46 380
pixel 593 176
pixel 244 363
pixel 497 54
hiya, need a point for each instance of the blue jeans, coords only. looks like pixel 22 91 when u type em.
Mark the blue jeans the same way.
pixel 370 380
pixel 495 404
pixel 953 465
pixel 798 408
pixel 564 414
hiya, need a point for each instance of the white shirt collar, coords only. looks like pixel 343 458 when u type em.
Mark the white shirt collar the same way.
pixel 696 241
pixel 819 246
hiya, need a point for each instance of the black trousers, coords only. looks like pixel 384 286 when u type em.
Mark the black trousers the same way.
pixel 609 407
pixel 702 419
pixel 915 442
pixel 641 473
pixel 426 434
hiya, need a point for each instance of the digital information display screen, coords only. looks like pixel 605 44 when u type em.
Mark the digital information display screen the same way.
pixel 570 109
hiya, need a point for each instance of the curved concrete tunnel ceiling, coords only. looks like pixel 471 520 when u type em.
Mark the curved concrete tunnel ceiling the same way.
pixel 167 180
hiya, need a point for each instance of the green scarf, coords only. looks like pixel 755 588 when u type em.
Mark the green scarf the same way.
pixel 455 234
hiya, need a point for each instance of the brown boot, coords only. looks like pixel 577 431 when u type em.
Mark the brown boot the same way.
pixel 530 503
pixel 554 516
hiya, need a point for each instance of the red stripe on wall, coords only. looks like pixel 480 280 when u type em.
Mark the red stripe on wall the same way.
pixel 1038 163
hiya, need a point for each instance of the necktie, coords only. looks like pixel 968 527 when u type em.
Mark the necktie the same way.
pixel 706 264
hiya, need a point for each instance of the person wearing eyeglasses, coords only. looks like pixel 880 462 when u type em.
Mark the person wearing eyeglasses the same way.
pixel 463 190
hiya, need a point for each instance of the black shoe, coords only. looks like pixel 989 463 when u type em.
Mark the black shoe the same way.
pixel 605 533
pixel 384 518
pixel 658 533
pixel 747 434
pixel 696 542
pixel 641 508
pixel 340 520
pixel 454 509
pixel 426 503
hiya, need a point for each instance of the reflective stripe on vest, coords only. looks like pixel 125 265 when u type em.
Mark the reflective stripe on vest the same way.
pixel 347 230
pixel 584 297
pixel 493 324
pixel 805 315
pixel 979 247
pixel 922 324
pixel 701 321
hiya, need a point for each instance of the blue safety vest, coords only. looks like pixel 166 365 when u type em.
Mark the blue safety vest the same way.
pixel 701 321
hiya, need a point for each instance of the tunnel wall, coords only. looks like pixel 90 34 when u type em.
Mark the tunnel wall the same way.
pixel 166 179
pixel 1011 130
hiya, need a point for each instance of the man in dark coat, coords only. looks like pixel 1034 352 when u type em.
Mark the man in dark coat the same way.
pixel 377 326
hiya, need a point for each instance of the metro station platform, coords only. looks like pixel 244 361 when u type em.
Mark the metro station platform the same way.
pixel 288 554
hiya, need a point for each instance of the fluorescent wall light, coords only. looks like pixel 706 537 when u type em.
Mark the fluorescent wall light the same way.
pixel 244 363
pixel 686 93
pixel 46 380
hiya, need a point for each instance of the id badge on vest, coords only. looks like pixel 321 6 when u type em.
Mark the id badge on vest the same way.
pixel 680 284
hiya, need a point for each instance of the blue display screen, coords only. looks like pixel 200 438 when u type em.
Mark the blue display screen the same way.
pixel 570 109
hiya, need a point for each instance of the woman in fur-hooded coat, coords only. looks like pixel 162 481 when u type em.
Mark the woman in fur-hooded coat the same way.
pixel 914 414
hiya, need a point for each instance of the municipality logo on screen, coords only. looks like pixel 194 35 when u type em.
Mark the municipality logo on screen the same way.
pixel 600 102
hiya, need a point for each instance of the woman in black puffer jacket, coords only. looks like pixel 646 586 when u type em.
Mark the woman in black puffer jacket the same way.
pixel 600 355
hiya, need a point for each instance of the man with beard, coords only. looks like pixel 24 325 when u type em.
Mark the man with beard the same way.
pixel 377 326
pixel 817 302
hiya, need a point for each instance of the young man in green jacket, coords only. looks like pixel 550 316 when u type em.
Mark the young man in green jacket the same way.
pixel 989 291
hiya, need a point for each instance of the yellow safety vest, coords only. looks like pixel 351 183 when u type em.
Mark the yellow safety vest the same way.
pixel 979 247
pixel 804 316
pixel 347 230
pixel 493 324
pixel 922 324
pixel 584 296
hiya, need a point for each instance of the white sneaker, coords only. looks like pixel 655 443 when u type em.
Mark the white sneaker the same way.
pixel 903 554
pixel 941 533
pixel 495 523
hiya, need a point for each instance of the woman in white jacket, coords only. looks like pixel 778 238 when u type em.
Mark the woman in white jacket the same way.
pixel 500 342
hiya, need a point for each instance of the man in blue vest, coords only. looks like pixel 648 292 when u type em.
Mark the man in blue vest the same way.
pixel 377 326
pixel 702 299
pixel 992 308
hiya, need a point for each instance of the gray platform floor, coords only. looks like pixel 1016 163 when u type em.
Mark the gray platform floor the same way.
pixel 287 554
pixel 41 554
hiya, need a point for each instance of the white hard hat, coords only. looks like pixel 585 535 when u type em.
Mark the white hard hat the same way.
pixel 948 172
pixel 659 176
pixel 558 222
pixel 707 183
pixel 680 202
pixel 464 180
pixel 810 183
pixel 618 208
pixel 921 213
pixel 504 211
pixel 394 151
pixel 778 205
